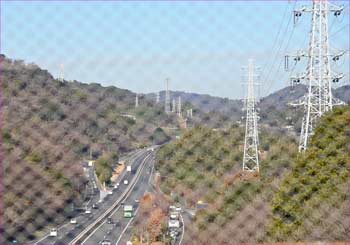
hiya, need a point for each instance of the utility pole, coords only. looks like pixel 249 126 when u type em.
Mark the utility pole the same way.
pixel 251 155
pixel 137 101
pixel 179 107
pixel 167 97
pixel 318 76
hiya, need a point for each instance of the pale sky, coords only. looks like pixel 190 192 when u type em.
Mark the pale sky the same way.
pixel 200 46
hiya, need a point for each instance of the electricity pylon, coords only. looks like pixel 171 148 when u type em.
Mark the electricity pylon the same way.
pixel 318 76
pixel 251 155
pixel 137 101
pixel 167 97
pixel 173 109
pixel 158 97
pixel 61 73
pixel 179 109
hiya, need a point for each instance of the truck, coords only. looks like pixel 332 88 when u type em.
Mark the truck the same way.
pixel 128 211
pixel 128 168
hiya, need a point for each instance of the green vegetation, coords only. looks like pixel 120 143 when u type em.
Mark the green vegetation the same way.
pixel 204 165
pixel 311 202
pixel 297 197
pixel 104 167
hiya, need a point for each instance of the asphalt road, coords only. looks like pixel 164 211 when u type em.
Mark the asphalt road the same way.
pixel 119 232
pixel 67 232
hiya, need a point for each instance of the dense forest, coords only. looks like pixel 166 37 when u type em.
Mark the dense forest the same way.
pixel 296 197
pixel 49 126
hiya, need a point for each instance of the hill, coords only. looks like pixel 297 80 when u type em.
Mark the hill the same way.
pixel 295 197
pixel 313 201
pixel 274 108
pixel 49 127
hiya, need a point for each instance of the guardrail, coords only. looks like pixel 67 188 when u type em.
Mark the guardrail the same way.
pixel 81 237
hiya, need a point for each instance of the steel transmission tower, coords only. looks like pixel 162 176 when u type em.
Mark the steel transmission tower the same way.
pixel 61 73
pixel 167 97
pixel 318 76
pixel 173 108
pixel 137 101
pixel 179 109
pixel 251 155
pixel 158 97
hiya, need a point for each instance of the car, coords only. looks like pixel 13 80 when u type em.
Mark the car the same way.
pixel 53 232
pixel 109 220
pixel 126 182
pixel 109 192
pixel 116 185
pixel 73 221
pixel 88 211
pixel 137 200
pixel 106 242
pixel 94 206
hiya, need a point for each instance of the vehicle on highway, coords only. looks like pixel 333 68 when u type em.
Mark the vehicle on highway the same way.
pixel 94 206
pixel 128 211
pixel 126 182
pixel 128 168
pixel 73 221
pixel 109 192
pixel 109 220
pixel 116 185
pixel 105 242
pixel 88 211
pixel 53 232
pixel 137 200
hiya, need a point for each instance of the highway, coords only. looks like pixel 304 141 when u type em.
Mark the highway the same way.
pixel 118 232
pixel 70 233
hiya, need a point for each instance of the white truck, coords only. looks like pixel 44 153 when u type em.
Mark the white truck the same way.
pixel 128 168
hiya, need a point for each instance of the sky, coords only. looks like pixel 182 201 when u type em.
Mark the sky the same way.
pixel 200 46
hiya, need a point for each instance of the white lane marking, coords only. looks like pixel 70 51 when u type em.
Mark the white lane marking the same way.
pixel 183 229
pixel 49 233
pixel 138 177
pixel 126 227
pixel 115 203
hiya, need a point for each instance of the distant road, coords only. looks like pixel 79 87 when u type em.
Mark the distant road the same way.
pixel 120 233
pixel 72 233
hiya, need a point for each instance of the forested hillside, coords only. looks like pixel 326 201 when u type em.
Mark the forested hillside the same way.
pixel 204 166
pixel 313 201
pixel 296 197
pixel 273 108
pixel 49 126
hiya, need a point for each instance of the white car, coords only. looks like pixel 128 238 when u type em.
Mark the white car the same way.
pixel 106 242
pixel 116 186
pixel 126 182
pixel 88 211
pixel 73 221
pixel 110 192
pixel 53 232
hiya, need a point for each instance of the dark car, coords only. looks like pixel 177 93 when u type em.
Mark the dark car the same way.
pixel 109 220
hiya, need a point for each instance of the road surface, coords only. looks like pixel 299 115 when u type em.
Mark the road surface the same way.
pixel 68 232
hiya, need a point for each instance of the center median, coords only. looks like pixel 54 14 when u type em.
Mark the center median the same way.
pixel 81 237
